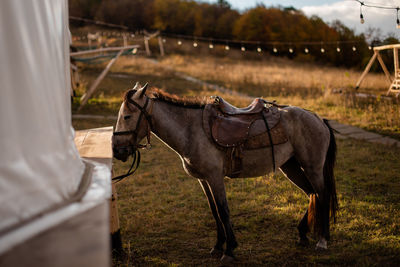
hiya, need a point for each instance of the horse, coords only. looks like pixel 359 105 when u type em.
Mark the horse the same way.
pixel 307 158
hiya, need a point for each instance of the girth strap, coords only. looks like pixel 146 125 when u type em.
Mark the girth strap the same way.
pixel 270 140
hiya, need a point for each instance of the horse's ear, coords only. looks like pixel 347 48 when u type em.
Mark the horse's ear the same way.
pixel 137 86
pixel 143 90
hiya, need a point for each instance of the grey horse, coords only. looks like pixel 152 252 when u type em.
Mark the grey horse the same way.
pixel 307 158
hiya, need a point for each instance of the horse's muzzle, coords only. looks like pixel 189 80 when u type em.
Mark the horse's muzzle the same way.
pixel 123 153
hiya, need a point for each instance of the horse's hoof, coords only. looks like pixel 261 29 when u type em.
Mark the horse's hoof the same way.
pixel 227 259
pixel 216 253
pixel 322 245
pixel 303 242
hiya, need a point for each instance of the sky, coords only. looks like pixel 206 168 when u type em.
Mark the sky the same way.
pixel 346 11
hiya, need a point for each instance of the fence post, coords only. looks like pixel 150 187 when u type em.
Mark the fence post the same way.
pixel 146 45
pixel 161 45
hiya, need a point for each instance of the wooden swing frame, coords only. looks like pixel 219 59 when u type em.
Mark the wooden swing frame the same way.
pixel 394 82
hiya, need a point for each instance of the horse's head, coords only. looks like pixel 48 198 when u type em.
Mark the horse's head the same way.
pixel 133 124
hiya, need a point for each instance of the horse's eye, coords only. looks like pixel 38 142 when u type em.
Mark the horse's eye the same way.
pixel 126 117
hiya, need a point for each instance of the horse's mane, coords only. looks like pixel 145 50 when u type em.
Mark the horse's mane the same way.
pixel 188 102
pixel 160 95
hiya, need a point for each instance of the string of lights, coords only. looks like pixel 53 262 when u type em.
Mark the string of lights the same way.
pixel 227 44
pixel 234 41
pixel 374 5
pixel 276 47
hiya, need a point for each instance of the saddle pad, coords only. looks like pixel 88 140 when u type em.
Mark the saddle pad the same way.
pixel 261 140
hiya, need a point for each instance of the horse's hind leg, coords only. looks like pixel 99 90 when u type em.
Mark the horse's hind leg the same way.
pixel 217 251
pixel 320 207
pixel 294 172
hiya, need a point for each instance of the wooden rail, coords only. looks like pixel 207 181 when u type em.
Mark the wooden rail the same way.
pixel 85 98
pixel 107 49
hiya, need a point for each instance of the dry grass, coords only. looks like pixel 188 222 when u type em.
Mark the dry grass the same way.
pixel 273 75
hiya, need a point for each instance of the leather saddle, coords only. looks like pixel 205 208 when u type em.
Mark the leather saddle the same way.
pixel 235 129
pixel 229 126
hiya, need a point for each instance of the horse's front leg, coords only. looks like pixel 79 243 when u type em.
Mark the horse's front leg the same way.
pixel 217 250
pixel 218 192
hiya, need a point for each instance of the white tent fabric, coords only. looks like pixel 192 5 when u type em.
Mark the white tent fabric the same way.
pixel 39 164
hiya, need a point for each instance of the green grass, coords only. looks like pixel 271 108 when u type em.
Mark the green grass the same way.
pixel 165 219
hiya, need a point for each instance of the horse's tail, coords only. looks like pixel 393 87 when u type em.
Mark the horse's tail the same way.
pixel 315 211
pixel 329 177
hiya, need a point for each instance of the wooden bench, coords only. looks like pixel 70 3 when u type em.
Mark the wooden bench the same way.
pixel 95 144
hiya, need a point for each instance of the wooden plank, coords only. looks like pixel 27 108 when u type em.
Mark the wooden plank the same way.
pixel 95 144
pixel 151 35
pixel 396 62
pixel 385 70
pixel 115 231
pixel 125 40
pixel 89 93
pixel 367 68
pixel 384 47
pixel 100 50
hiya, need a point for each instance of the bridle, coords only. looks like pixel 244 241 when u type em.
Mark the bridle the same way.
pixel 132 149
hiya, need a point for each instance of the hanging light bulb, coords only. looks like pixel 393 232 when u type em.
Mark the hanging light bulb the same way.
pixel 290 50
pixel 361 14
pixel 179 42
pixel 338 49
pixel 369 47
pixel 275 50
pixel 322 50
pixel 243 48
pixel 194 44
pixel 306 50
pixel 211 46
pixel 259 49
pixel 227 47
pixel 354 48
pixel 397 21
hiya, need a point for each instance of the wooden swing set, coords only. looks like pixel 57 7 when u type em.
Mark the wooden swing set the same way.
pixel 395 82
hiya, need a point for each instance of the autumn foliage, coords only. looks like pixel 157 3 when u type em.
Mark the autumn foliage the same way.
pixel 286 28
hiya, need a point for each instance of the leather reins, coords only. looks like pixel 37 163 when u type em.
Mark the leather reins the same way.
pixel 135 153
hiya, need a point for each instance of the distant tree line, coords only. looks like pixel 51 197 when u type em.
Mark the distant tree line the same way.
pixel 219 20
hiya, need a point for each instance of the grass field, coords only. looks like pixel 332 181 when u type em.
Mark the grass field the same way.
pixel 165 219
